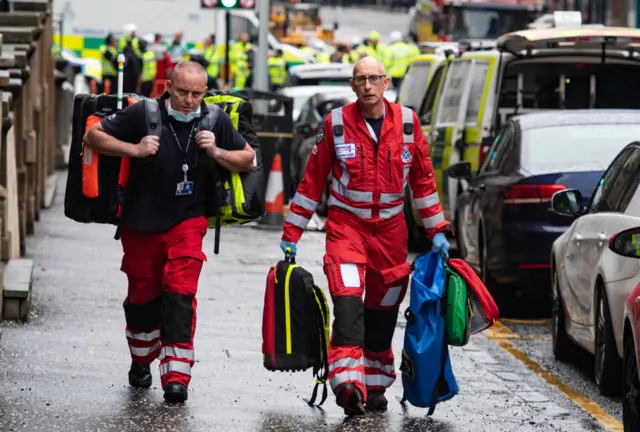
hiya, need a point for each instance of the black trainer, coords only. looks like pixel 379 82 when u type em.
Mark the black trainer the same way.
pixel 176 392
pixel 140 375
pixel 376 400
pixel 350 399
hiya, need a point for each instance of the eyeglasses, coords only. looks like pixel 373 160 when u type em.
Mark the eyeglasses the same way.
pixel 373 79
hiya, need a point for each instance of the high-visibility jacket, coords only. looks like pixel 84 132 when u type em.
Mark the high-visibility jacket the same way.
pixel 396 59
pixel 377 52
pixel 277 70
pixel 211 55
pixel 122 44
pixel 323 58
pixel 109 68
pixel 149 66
pixel 368 183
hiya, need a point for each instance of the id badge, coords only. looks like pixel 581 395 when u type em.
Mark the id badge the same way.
pixel 184 188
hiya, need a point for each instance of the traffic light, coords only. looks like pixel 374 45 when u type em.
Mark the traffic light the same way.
pixel 228 4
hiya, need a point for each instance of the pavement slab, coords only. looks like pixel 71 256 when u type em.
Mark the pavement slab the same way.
pixel 66 369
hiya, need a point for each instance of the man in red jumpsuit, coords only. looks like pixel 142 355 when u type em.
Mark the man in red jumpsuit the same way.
pixel 373 148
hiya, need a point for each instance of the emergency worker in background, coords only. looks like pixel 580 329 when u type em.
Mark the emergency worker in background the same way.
pixel 239 57
pixel 277 70
pixel 375 49
pixel 177 49
pixel 163 61
pixel 129 45
pixel 373 148
pixel 149 69
pixel 396 58
pixel 163 222
pixel 109 58
pixel 213 62
pixel 129 42
pixel 414 49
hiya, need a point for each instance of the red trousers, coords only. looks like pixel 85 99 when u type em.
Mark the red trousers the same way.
pixel 371 259
pixel 160 309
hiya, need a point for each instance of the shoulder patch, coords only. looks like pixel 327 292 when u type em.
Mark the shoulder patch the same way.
pixel 320 135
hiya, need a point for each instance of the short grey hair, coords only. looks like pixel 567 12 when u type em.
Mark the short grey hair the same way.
pixel 187 65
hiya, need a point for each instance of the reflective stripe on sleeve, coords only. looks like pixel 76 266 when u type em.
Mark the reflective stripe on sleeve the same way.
pixel 352 195
pixel 304 202
pixel 363 213
pixel 433 221
pixel 175 366
pixel 407 117
pixel 297 220
pixel 428 201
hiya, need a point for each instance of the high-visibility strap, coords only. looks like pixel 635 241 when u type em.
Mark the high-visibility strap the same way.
pixel 338 126
pixel 407 125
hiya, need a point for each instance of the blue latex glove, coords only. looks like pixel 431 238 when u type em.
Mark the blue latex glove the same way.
pixel 284 245
pixel 441 245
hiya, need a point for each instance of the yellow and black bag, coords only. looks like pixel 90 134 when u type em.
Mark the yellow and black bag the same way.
pixel 242 198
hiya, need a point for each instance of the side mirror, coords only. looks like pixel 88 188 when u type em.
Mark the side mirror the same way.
pixel 567 202
pixel 306 130
pixel 626 243
pixel 460 170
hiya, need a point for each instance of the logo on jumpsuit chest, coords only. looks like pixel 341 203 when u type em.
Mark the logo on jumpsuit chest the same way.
pixel 406 155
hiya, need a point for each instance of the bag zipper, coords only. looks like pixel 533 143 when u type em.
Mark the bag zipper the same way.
pixel 389 161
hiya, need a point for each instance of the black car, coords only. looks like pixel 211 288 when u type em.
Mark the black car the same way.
pixel 505 227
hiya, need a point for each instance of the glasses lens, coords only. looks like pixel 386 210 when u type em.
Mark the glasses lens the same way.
pixel 374 79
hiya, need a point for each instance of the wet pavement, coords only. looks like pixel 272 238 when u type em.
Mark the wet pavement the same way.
pixel 66 370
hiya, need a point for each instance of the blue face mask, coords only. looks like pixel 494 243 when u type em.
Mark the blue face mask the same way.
pixel 184 118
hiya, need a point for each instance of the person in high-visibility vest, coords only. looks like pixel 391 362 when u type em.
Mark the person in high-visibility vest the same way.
pixel 239 57
pixel 277 70
pixel 129 45
pixel 109 59
pixel 130 40
pixel 213 62
pixel 149 69
pixel 375 49
pixel 396 58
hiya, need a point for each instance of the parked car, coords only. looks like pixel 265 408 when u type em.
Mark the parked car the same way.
pixel 505 228
pixel 320 74
pixel 589 282
pixel 626 245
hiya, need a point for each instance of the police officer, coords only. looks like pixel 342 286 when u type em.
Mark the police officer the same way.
pixel 212 58
pixel 277 70
pixel 396 58
pixel 374 48
pixel 240 52
pixel 163 222
pixel 149 69
pixel 109 58
pixel 373 148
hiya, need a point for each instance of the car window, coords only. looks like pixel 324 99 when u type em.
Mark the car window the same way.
pixel 480 71
pixel 426 110
pixel 607 181
pixel 453 91
pixel 500 150
pixel 414 84
pixel 325 107
pixel 617 198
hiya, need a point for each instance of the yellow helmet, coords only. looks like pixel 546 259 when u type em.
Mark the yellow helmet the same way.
pixel 374 36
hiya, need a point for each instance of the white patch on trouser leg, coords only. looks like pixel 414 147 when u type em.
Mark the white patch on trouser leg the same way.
pixel 350 275
pixel 391 297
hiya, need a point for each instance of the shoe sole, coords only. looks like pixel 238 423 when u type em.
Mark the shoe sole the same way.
pixel 354 406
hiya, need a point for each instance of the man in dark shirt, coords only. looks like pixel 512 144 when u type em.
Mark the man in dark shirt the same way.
pixel 163 221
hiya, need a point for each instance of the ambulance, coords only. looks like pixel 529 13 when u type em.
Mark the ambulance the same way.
pixel 471 95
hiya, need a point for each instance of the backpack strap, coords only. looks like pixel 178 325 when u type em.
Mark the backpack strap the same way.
pixel 210 119
pixel 338 126
pixel 407 125
pixel 153 117
pixel 322 372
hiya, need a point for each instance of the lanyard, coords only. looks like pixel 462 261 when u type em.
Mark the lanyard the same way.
pixel 185 165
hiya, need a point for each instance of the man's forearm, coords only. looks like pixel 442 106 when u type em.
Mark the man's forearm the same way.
pixel 235 161
pixel 98 140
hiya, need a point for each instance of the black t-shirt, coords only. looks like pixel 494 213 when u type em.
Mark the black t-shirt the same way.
pixel 153 205
pixel 376 125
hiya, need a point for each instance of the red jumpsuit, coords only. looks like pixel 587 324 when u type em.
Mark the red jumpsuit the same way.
pixel 366 234
pixel 163 271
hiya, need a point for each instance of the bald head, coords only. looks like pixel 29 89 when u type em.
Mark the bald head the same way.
pixel 368 66
pixel 187 86
pixel 188 68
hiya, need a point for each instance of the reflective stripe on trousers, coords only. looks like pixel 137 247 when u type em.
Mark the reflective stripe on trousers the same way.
pixel 144 351
pixel 375 364
pixel 148 337
pixel 182 353
pixel 175 366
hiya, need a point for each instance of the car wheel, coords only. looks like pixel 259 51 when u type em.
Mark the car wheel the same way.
pixel 630 388
pixel 502 295
pixel 562 346
pixel 606 360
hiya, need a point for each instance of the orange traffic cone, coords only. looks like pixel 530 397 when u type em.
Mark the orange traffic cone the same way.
pixel 274 199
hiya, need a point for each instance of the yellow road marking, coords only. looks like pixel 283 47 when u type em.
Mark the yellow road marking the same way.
pixel 589 406
pixel 526 321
